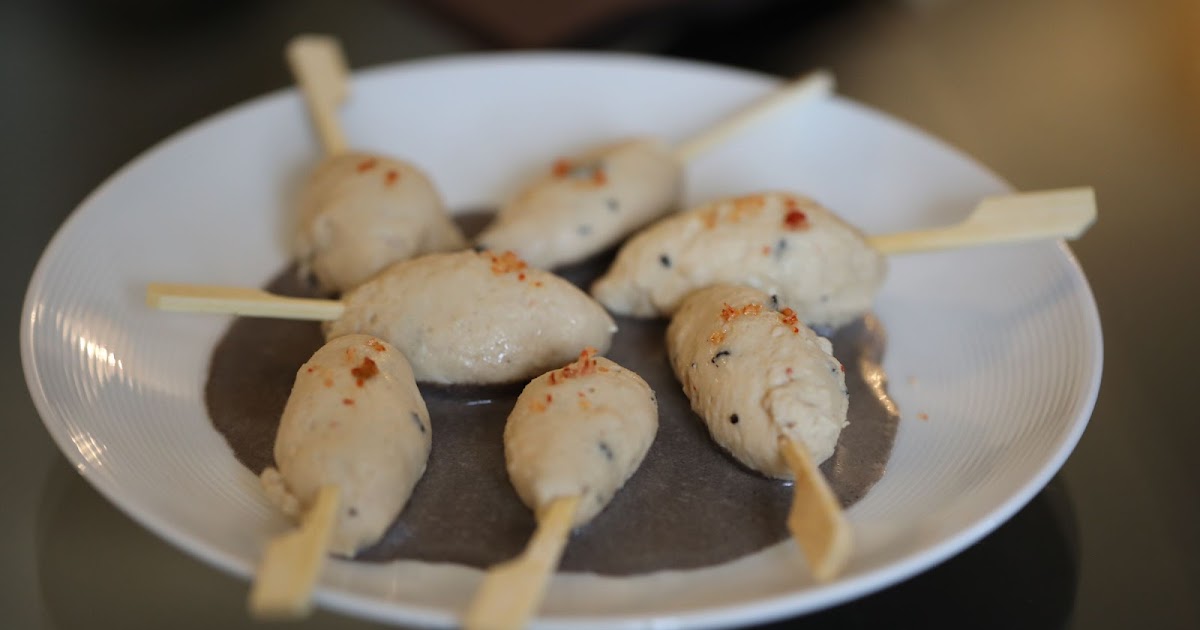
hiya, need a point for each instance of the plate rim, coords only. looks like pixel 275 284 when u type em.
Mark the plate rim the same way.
pixel 756 611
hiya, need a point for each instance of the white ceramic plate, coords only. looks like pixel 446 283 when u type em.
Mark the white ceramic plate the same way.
pixel 1000 348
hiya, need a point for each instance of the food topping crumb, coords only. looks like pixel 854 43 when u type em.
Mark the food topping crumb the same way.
pixel 366 165
pixel 506 263
pixel 795 219
pixel 365 371
pixel 391 177
pixel 582 366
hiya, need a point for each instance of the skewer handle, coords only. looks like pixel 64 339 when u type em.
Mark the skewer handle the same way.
pixel 319 66
pixel 511 592
pixel 284 583
pixel 1065 213
pixel 816 519
pixel 814 85
pixel 198 298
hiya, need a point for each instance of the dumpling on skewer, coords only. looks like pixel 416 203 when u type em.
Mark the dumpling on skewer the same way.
pixel 771 394
pixel 476 317
pixel 465 318
pixel 804 255
pixel 786 245
pixel 588 203
pixel 353 441
pixel 359 212
pixel 573 439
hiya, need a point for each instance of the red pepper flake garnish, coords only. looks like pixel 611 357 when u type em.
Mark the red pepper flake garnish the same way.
pixel 561 168
pixel 348 401
pixel 549 398
pixel 788 371
pixel 365 371
pixel 582 366
pixel 766 250
pixel 599 178
pixel 391 178
pixel 310 370
pixel 922 416
pixel 717 337
pixel 537 283
pixel 789 318
pixel 521 277
pixel 842 368
pixel 537 406
pixel 602 369
pixel 377 346
pixel 506 262
pixel 328 382
pixel 730 313
pixel 795 220
pixel 710 218
pixel 366 165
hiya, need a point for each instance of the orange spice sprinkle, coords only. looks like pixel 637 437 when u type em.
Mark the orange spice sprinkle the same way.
pixel 365 371
pixel 747 206
pixel 391 178
pixel 922 416
pixel 348 401
pixel 561 168
pixel 506 262
pixel 582 366
pixel 549 398
pixel 789 318
pixel 328 382
pixel 377 346
pixel 537 283
pixel 599 178
pixel 537 406
pixel 766 250
pixel 730 313
pixel 310 370
pixel 366 165
pixel 717 337
pixel 710 218
pixel 521 277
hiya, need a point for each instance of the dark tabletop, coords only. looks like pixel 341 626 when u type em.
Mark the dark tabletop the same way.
pixel 1048 93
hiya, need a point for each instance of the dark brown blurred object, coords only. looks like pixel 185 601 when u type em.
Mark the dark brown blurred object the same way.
pixel 538 23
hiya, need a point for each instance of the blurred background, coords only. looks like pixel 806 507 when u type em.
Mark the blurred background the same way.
pixel 1048 93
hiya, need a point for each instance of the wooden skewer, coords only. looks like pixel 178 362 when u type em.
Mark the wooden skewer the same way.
pixel 512 591
pixel 320 69
pixel 1064 213
pixel 816 519
pixel 809 87
pixel 284 583
pixel 195 298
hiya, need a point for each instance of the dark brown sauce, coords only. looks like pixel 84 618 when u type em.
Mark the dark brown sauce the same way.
pixel 688 505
